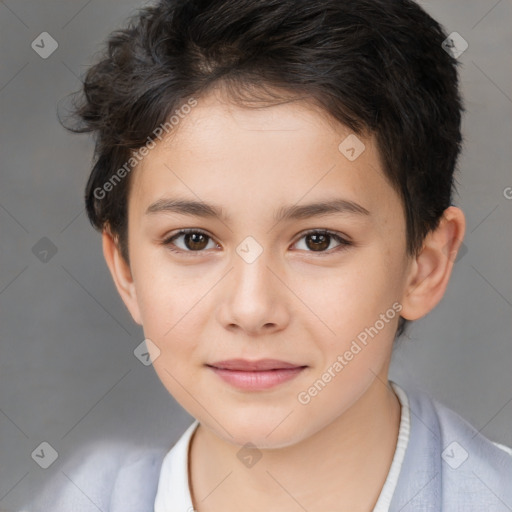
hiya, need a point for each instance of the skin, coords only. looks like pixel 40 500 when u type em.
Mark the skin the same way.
pixel 294 302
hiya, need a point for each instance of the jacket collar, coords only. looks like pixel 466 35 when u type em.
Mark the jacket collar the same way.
pixel 419 484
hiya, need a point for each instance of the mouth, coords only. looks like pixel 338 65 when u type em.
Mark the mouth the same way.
pixel 256 375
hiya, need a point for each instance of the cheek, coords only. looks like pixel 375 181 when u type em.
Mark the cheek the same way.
pixel 171 322
pixel 168 295
pixel 344 296
pixel 171 318
pixel 351 309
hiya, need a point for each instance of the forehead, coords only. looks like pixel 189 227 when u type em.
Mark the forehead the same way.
pixel 258 158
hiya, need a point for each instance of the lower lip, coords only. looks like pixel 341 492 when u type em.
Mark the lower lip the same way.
pixel 255 381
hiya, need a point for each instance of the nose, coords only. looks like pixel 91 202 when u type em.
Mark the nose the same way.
pixel 254 298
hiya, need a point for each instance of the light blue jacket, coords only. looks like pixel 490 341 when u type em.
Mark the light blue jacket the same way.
pixel 448 467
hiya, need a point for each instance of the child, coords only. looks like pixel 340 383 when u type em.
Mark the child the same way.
pixel 273 182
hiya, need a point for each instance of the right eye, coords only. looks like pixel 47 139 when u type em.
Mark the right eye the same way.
pixel 194 241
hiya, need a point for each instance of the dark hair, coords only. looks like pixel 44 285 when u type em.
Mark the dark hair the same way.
pixel 376 66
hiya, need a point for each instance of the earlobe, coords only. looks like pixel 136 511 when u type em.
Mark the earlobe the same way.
pixel 430 271
pixel 121 274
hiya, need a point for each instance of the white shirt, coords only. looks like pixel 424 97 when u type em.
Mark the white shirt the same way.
pixel 173 493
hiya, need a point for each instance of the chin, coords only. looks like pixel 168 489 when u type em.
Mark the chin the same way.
pixel 265 433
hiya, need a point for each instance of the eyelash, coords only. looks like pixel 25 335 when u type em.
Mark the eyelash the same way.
pixel 344 244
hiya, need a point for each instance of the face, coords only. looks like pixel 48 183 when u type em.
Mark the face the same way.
pixel 259 275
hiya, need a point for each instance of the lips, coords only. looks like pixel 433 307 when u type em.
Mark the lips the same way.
pixel 260 375
pixel 244 365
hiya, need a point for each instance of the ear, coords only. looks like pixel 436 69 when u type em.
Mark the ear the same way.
pixel 121 273
pixel 430 270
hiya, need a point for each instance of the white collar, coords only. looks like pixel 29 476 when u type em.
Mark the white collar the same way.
pixel 173 494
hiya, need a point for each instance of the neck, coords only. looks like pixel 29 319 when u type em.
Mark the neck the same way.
pixel 343 465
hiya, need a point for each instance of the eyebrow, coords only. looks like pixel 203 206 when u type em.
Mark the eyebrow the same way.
pixel 290 212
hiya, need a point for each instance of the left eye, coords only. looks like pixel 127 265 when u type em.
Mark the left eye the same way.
pixel 319 241
pixel 197 241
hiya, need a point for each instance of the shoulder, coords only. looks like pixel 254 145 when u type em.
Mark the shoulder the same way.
pixel 475 472
pixel 110 476
pixel 454 427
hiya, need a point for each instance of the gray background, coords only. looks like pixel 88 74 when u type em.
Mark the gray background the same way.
pixel 68 375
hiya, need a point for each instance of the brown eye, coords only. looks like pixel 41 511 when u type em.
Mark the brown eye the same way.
pixel 319 241
pixel 193 241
